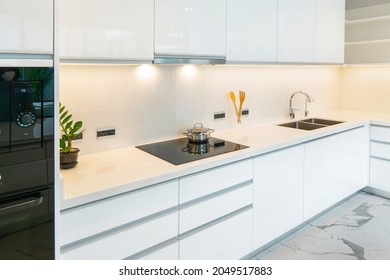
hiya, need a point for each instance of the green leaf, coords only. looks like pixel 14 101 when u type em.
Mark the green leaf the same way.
pixel 62 144
pixel 63 115
pixel 76 127
pixel 66 119
pixel 68 125
pixel 62 108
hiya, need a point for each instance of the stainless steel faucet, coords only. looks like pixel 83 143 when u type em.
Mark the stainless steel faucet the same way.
pixel 291 109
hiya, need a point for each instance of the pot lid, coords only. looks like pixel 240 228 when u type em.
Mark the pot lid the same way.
pixel 198 128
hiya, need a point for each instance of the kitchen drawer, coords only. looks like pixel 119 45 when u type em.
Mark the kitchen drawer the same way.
pixel 127 242
pixel 380 133
pixel 213 180
pixel 94 218
pixel 380 174
pixel 170 252
pixel 381 150
pixel 214 208
pixel 228 240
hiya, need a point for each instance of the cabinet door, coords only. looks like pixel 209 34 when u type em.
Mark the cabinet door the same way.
pixel 296 27
pixel 278 194
pixel 106 29
pixel 329 33
pixel 228 240
pixel 251 31
pixel 190 27
pixel 26 26
pixel 335 167
pixel 380 174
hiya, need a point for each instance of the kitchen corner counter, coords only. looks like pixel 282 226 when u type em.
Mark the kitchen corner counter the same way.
pixel 105 174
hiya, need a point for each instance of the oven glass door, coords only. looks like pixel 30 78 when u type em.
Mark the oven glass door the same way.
pixel 27 226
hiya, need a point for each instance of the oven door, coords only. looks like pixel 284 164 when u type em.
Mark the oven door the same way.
pixel 27 226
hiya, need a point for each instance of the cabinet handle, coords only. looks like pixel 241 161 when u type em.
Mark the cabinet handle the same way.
pixel 21 205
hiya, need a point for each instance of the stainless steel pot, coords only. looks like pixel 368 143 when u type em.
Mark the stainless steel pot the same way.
pixel 199 134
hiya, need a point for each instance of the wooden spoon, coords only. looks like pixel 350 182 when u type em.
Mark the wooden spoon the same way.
pixel 242 98
pixel 233 98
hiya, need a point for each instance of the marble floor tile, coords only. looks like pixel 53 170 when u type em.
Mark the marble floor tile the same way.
pixel 357 229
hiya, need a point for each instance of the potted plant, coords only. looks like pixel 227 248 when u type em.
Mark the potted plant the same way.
pixel 69 131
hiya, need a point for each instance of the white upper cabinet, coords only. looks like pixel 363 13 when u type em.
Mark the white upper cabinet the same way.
pixel 311 31
pixel 329 35
pixel 106 29
pixel 296 31
pixel 26 26
pixel 190 28
pixel 251 31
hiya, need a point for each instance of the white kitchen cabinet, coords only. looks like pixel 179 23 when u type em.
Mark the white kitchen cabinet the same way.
pixel 296 31
pixel 215 212
pixel 251 31
pixel 170 252
pixel 120 226
pixel 335 167
pixel 26 26
pixel 380 158
pixel 229 240
pixel 190 28
pixel 278 194
pixel 329 31
pixel 106 30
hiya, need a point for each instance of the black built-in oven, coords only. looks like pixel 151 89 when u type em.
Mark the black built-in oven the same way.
pixel 26 163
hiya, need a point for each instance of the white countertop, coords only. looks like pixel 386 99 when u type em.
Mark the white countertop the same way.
pixel 112 172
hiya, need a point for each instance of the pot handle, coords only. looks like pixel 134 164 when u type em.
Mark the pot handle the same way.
pixel 198 125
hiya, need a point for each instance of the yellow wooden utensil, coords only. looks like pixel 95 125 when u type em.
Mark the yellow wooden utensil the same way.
pixel 233 98
pixel 242 98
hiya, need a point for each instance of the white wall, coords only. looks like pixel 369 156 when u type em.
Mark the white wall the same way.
pixel 366 88
pixel 150 103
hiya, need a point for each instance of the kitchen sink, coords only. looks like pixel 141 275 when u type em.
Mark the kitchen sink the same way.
pixel 321 121
pixel 310 124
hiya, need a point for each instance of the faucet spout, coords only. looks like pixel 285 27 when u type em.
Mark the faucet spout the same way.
pixel 291 109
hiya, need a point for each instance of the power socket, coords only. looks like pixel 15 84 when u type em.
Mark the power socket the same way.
pixel 103 132
pixel 245 112
pixel 219 115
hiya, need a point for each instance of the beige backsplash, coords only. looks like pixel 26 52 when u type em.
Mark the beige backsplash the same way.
pixel 148 103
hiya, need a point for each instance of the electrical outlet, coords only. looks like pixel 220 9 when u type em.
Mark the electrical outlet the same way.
pixel 245 112
pixel 103 132
pixel 219 115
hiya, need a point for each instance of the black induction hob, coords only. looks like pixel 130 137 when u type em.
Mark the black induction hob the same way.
pixel 179 151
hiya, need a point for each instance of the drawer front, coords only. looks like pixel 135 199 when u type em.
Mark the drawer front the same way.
pixel 170 252
pixel 380 133
pixel 228 240
pixel 213 180
pixel 214 208
pixel 381 150
pixel 380 174
pixel 95 218
pixel 128 242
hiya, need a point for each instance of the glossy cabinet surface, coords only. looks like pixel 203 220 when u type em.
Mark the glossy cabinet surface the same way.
pixel 329 31
pixel 251 31
pixel 170 252
pixel 26 26
pixel 115 29
pixel 335 167
pixel 380 158
pixel 190 27
pixel 278 194
pixel 296 31
pixel 228 240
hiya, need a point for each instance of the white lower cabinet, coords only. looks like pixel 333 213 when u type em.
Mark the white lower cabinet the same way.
pixel 278 194
pixel 123 244
pixel 170 252
pixel 228 240
pixel 335 167
pixel 380 158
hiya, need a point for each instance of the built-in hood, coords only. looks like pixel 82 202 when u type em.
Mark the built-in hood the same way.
pixel 181 59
